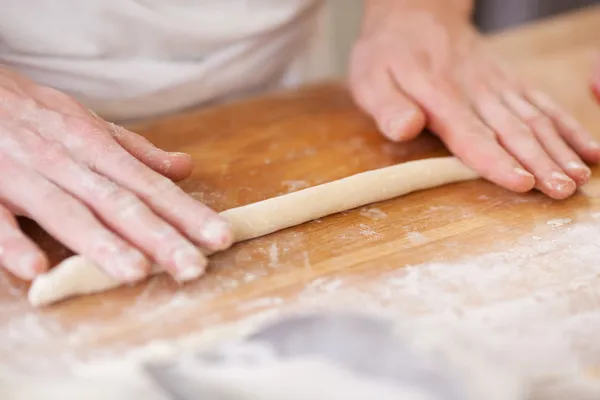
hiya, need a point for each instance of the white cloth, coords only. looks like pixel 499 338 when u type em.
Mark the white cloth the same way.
pixel 136 58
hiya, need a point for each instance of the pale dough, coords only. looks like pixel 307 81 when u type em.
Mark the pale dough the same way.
pixel 77 276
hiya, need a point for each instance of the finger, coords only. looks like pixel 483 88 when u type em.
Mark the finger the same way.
pixel 18 253
pixel 128 216
pixel 106 157
pixel 451 117
pixel 545 131
pixel 175 166
pixel 397 117
pixel 201 224
pixel 579 138
pixel 518 140
pixel 69 221
pixel 198 222
pixel 52 99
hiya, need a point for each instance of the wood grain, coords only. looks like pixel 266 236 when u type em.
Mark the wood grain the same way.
pixel 263 147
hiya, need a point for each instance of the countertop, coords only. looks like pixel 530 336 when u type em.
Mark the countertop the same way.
pixel 262 147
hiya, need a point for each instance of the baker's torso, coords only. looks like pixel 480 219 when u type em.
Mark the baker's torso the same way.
pixel 136 58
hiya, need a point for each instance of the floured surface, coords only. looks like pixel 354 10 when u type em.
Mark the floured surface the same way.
pixel 532 306
pixel 78 276
pixel 535 307
pixel 537 282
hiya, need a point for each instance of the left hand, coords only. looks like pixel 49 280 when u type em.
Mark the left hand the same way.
pixel 421 63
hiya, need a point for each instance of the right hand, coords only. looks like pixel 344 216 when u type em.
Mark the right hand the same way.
pixel 103 191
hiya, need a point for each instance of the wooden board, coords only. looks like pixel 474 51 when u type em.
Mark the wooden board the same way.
pixel 264 147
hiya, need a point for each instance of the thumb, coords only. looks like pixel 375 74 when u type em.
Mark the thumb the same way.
pixel 175 166
pixel 397 117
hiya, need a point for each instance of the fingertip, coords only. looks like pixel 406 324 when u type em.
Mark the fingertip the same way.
pixel 521 180
pixel 30 265
pixel 129 266
pixel 558 186
pixel 189 264
pixel 217 233
pixel 579 172
pixel 405 125
pixel 493 163
pixel 177 166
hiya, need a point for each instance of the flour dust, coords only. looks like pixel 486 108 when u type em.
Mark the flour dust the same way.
pixel 534 304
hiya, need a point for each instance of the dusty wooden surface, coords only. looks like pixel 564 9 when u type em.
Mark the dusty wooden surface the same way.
pixel 256 149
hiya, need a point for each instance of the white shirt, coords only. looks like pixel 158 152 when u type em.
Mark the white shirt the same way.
pixel 136 58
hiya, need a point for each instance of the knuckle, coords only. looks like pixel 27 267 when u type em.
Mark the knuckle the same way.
pixel 51 153
pixel 13 241
pixel 56 204
pixel 56 95
pixel 10 96
pixel 6 217
pixel 160 185
pixel 53 197
pixel 83 126
pixel 106 190
pixel 539 123
pixel 571 124
pixel 96 155
pixel 126 203
pixel 123 201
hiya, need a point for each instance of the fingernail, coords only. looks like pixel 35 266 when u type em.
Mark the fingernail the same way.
pixel 217 232
pixel 180 154
pixel 520 171
pixel 577 166
pixel 594 145
pixel 560 176
pixel 560 182
pixel 189 263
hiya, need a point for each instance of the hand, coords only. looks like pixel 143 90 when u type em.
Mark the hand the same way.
pixel 105 192
pixel 420 63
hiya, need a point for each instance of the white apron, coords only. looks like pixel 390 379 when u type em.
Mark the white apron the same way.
pixel 128 59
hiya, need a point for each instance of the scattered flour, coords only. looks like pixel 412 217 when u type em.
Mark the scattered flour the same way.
pixel 559 222
pixel 417 238
pixel 273 255
pixel 373 213
pixel 544 293
pixel 366 230
pixel 534 305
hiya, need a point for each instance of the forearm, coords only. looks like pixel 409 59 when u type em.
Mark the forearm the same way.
pixel 464 6
pixel 377 10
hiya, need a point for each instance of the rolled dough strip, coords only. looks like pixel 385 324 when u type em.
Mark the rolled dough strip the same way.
pixel 77 276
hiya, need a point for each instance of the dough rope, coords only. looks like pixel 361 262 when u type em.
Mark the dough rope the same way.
pixel 77 276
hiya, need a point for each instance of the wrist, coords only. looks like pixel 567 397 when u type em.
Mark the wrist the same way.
pixel 464 7
pixel 377 11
